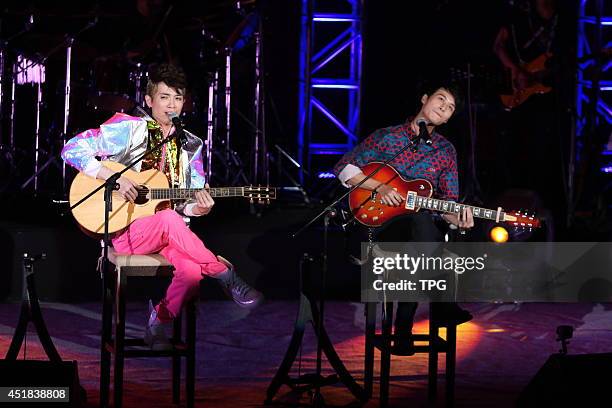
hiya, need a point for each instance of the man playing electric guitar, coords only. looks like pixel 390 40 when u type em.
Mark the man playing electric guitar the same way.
pixel 435 162
pixel 535 45
pixel 524 46
pixel 121 139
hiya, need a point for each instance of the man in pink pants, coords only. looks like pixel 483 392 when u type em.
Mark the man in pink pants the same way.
pixel 121 139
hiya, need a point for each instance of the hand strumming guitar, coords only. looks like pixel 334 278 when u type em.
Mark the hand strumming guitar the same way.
pixel 385 194
pixel 521 79
pixel 127 188
pixel 389 196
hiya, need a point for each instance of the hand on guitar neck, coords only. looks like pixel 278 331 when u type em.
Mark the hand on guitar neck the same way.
pixel 204 202
pixel 463 220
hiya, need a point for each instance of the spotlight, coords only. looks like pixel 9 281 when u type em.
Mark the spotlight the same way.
pixel 498 234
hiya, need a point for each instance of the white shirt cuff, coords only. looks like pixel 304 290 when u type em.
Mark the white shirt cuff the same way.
pixel 348 172
pixel 188 210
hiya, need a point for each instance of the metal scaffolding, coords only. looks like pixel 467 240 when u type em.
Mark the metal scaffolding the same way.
pixel 593 91
pixel 331 49
pixel 594 76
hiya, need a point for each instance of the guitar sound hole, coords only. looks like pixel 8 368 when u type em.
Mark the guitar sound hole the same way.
pixel 142 195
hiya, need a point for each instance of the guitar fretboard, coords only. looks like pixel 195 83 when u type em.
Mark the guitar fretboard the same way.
pixel 187 193
pixel 452 207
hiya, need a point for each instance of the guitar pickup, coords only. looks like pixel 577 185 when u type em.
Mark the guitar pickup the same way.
pixel 411 197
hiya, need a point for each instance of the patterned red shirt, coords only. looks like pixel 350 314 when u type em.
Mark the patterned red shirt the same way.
pixel 436 163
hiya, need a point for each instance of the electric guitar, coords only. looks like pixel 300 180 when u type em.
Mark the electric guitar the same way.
pixel 369 211
pixel 154 194
pixel 537 70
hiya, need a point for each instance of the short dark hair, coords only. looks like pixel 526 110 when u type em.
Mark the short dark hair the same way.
pixel 451 88
pixel 169 74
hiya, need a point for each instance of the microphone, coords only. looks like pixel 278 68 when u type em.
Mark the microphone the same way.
pixel 178 125
pixel 176 120
pixel 423 132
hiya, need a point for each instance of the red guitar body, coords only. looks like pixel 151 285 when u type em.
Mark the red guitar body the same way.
pixel 369 211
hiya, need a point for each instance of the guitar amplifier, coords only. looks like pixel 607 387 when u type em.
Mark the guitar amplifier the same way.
pixel 570 380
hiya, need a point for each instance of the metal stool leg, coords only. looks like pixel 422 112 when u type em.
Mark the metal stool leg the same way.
pixel 385 353
pixel 119 337
pixel 370 333
pixel 451 355
pixel 191 359
pixel 107 327
pixel 434 348
pixel 176 360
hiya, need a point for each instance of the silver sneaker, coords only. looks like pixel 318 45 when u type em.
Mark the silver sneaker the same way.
pixel 155 332
pixel 243 294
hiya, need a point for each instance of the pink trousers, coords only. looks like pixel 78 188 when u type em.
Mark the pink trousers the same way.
pixel 166 233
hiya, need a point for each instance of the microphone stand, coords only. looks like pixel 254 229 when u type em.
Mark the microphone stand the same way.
pixel 109 186
pixel 323 341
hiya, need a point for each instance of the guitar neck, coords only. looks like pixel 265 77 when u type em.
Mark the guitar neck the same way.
pixel 188 193
pixel 452 207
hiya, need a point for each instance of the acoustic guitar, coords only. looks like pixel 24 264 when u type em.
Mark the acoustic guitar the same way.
pixel 369 211
pixel 154 194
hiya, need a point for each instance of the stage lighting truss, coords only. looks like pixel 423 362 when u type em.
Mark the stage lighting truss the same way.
pixel 330 78
pixel 594 76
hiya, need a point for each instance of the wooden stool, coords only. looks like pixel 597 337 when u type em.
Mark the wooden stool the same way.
pixel 115 291
pixel 383 342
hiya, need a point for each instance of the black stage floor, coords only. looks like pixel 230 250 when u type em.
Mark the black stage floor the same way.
pixel 238 351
